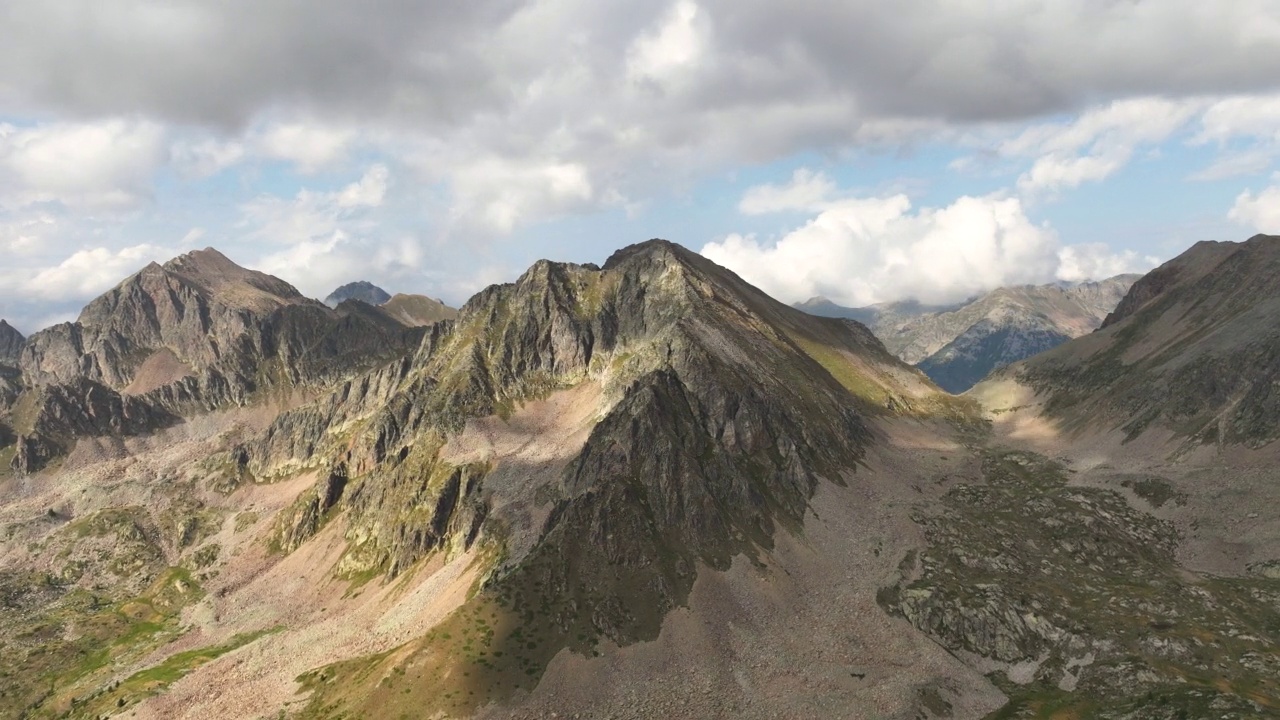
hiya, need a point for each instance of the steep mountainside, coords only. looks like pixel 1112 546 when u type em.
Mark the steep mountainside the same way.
pixel 1134 575
pixel 362 290
pixel 11 342
pixel 418 310
pixel 1194 348
pixel 959 345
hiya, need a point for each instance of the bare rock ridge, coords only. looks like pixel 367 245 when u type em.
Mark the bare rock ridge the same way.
pixel 362 290
pixel 1193 347
pixel 196 333
pixel 958 345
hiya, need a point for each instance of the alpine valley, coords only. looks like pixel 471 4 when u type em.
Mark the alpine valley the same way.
pixel 644 490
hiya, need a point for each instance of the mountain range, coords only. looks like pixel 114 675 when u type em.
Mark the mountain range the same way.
pixel 641 489
pixel 958 345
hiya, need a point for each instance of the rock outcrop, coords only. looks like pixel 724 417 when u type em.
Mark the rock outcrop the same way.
pixel 81 408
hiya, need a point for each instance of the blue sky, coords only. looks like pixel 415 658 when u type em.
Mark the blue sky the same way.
pixel 869 152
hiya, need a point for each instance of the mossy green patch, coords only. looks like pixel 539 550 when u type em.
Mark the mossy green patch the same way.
pixel 154 680
pixel 64 644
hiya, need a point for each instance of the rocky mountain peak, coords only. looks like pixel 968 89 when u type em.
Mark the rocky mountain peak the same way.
pixel 361 290
pixel 209 265
pixel 200 310
pixel 654 249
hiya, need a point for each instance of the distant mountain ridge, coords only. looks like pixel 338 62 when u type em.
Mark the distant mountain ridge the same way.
pixel 958 345
pixel 418 310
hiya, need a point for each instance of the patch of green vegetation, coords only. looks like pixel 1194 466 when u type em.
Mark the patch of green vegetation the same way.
pixel 63 644
pixel 22 415
pixel 245 520
pixel 7 454
pixel 154 680
pixel 840 368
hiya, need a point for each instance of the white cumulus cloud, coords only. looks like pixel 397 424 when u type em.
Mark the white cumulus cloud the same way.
pixel 1098 143
pixel 90 271
pixel 107 164
pixel 311 146
pixel 808 190
pixel 868 250
pixel 1260 211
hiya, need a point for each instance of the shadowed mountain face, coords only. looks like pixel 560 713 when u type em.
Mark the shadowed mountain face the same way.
pixel 11 342
pixel 1194 348
pixel 362 290
pixel 958 345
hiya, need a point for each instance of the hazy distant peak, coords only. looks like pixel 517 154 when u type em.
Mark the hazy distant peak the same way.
pixel 362 290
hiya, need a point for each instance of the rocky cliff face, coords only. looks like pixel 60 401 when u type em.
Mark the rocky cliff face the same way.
pixel 1193 348
pixel 958 345
pixel 362 290
pixel 58 414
